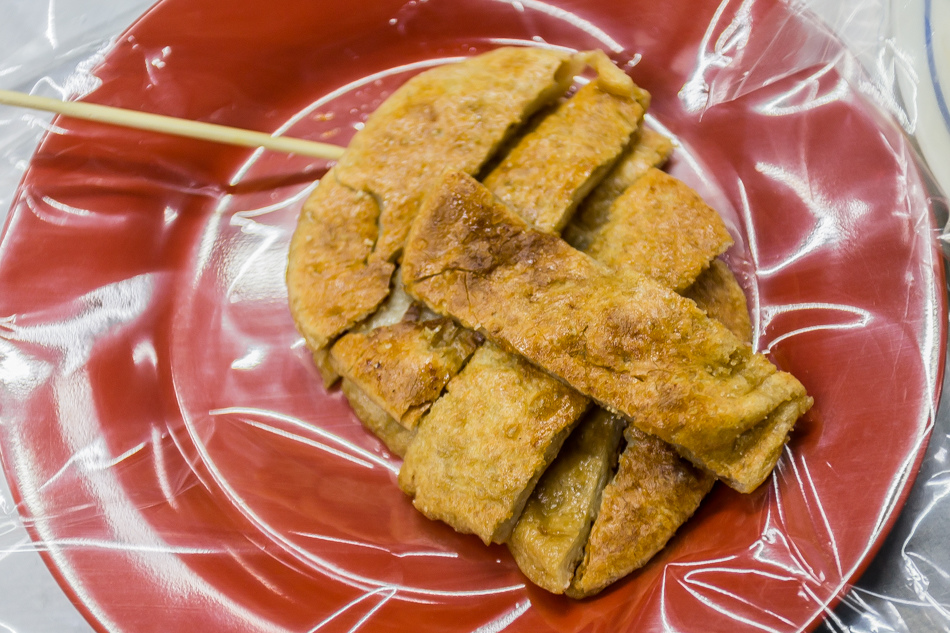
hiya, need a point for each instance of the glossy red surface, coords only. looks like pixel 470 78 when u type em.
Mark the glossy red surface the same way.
pixel 175 455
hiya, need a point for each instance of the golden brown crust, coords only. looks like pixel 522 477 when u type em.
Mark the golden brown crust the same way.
pixel 718 293
pixel 651 149
pixel 627 341
pixel 354 224
pixel 395 436
pixel 548 540
pixel 328 260
pixel 405 366
pixel 473 463
pixel 454 116
pixel 557 164
pixel 661 228
pixel 653 493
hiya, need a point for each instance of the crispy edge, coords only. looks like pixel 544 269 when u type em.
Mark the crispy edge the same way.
pixel 404 367
pixel 328 259
pixel 396 437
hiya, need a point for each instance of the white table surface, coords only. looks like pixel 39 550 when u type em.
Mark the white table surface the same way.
pixel 43 42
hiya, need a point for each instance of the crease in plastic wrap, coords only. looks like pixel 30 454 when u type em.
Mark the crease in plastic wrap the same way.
pixel 173 458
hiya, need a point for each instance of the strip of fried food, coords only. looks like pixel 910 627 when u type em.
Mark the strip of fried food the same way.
pixel 653 493
pixel 329 259
pixel 627 341
pixel 652 149
pixel 404 367
pixel 641 234
pixel 548 540
pixel 655 490
pixel 459 469
pixel 718 293
pixel 557 164
pixel 353 226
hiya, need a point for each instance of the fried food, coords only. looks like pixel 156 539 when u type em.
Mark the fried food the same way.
pixel 404 367
pixel 352 228
pixel 482 456
pixel 395 436
pixel 651 149
pixel 557 164
pixel 718 293
pixel 456 115
pixel 329 259
pixel 549 539
pixel 474 462
pixel 661 228
pixel 653 493
pixel 625 340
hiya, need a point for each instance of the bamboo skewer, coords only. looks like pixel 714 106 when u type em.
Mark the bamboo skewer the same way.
pixel 171 125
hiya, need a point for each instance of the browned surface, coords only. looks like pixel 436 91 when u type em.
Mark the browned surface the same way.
pixel 718 293
pixel 627 341
pixel 653 480
pixel 661 228
pixel 548 540
pixel 321 358
pixel 404 367
pixel 651 149
pixel 473 463
pixel 452 116
pixel 395 436
pixel 652 494
pixel 553 167
pixel 328 261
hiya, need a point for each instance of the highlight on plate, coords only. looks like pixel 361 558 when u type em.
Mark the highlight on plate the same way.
pixel 518 302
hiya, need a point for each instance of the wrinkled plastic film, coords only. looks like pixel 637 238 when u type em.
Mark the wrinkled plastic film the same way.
pixel 224 376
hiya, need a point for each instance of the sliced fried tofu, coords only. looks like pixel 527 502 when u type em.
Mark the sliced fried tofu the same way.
pixel 661 228
pixel 404 367
pixel 395 436
pixel 474 461
pixel 557 164
pixel 653 493
pixel 650 149
pixel 548 540
pixel 328 260
pixel 718 293
pixel 627 341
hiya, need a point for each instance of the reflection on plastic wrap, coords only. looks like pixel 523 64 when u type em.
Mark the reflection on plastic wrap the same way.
pixel 176 462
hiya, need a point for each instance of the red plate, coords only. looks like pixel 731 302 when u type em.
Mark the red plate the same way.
pixel 175 455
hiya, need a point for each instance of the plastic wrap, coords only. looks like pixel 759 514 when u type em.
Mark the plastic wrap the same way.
pixel 172 457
